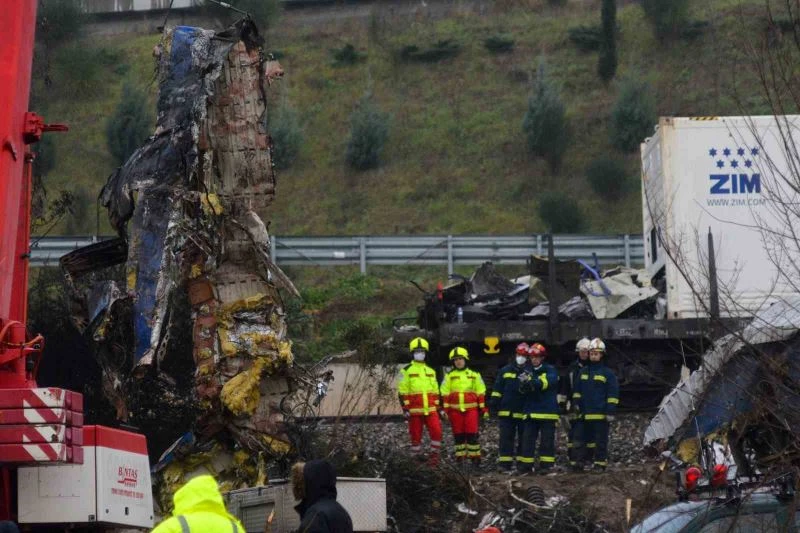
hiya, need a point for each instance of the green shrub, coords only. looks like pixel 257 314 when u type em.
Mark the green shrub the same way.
pixel 586 38
pixel 439 51
pixel 545 123
pixel 499 44
pixel 607 177
pixel 557 2
pixel 369 131
pixel 666 17
pixel 633 115
pixel 786 24
pixel 693 29
pixel 58 21
pixel 76 71
pixel 129 126
pixel 607 62
pixel 560 213
pixel 347 55
pixel 287 137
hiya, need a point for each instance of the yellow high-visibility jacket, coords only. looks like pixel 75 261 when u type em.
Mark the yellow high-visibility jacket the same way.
pixel 463 390
pixel 199 509
pixel 418 389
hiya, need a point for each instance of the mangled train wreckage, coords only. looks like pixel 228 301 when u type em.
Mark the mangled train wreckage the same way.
pixel 741 408
pixel 184 308
pixel 706 272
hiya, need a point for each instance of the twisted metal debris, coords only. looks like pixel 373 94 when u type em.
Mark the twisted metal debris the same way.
pixel 186 205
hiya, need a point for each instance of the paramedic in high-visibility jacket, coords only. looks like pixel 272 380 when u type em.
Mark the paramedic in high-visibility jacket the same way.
pixel 419 398
pixel 507 402
pixel 540 389
pixel 199 508
pixel 596 395
pixel 463 395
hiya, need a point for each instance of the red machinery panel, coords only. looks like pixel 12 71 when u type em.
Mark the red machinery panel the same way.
pixel 18 20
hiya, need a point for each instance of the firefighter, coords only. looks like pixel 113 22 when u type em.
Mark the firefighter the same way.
pixel 463 394
pixel 567 385
pixel 199 507
pixel 419 398
pixel 508 404
pixel 540 388
pixel 597 396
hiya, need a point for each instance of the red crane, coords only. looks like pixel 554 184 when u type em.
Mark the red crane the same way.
pixel 43 427
pixel 21 402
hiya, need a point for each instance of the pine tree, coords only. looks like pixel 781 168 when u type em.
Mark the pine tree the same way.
pixel 545 123
pixel 129 126
pixel 633 115
pixel 369 131
pixel 607 62
pixel 560 213
pixel 666 17
pixel 287 137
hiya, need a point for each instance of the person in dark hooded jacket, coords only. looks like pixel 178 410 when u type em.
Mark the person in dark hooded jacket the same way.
pixel 314 484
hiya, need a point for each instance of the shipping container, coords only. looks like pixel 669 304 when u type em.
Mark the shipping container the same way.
pixel 724 175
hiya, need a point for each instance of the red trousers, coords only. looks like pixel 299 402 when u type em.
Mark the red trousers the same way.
pixel 463 422
pixel 415 425
pixel 465 433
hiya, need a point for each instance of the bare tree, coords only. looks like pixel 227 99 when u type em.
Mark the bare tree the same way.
pixel 751 379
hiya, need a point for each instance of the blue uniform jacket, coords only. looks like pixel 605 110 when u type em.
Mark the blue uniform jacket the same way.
pixel 506 397
pixel 596 392
pixel 540 393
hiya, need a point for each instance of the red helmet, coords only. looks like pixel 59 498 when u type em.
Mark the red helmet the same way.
pixel 537 350
pixel 522 348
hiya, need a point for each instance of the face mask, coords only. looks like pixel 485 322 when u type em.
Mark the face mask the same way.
pixel 419 356
pixel 521 360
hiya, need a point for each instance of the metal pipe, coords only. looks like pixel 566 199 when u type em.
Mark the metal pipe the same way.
pixel 551 286
pixel 713 288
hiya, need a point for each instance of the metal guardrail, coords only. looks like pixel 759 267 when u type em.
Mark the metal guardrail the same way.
pixel 447 250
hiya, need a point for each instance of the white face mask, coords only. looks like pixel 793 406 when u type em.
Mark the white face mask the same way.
pixel 520 360
pixel 419 355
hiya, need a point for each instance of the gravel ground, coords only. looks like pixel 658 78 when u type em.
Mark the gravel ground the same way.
pixel 625 443
pixel 372 449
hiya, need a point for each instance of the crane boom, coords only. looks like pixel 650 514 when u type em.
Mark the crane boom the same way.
pixel 18 18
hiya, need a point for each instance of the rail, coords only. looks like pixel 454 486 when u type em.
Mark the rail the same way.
pixel 450 250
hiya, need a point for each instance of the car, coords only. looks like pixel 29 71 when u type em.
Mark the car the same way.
pixel 754 512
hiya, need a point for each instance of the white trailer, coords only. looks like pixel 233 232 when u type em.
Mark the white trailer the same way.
pixel 734 177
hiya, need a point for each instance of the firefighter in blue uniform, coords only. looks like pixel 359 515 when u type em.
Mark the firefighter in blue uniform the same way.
pixel 596 395
pixel 541 410
pixel 565 402
pixel 507 403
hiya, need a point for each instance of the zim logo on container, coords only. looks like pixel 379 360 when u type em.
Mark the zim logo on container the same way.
pixel 127 476
pixel 733 171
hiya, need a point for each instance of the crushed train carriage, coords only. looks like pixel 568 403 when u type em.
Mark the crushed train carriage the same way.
pixel 184 309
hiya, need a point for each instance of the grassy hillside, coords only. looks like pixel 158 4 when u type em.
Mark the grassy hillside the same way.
pixel 456 161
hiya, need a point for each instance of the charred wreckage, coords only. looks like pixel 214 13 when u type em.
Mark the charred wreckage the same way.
pixel 184 309
pixel 626 307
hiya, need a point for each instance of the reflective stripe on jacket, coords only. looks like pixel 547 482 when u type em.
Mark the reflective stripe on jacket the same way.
pixel 506 397
pixel 462 390
pixel 199 508
pixel 540 393
pixel 596 392
pixel 418 389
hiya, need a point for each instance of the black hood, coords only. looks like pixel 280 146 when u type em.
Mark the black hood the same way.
pixel 320 483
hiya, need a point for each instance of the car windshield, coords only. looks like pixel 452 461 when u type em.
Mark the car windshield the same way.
pixel 671 519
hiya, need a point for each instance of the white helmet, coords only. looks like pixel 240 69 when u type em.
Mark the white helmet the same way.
pixel 583 344
pixel 597 344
